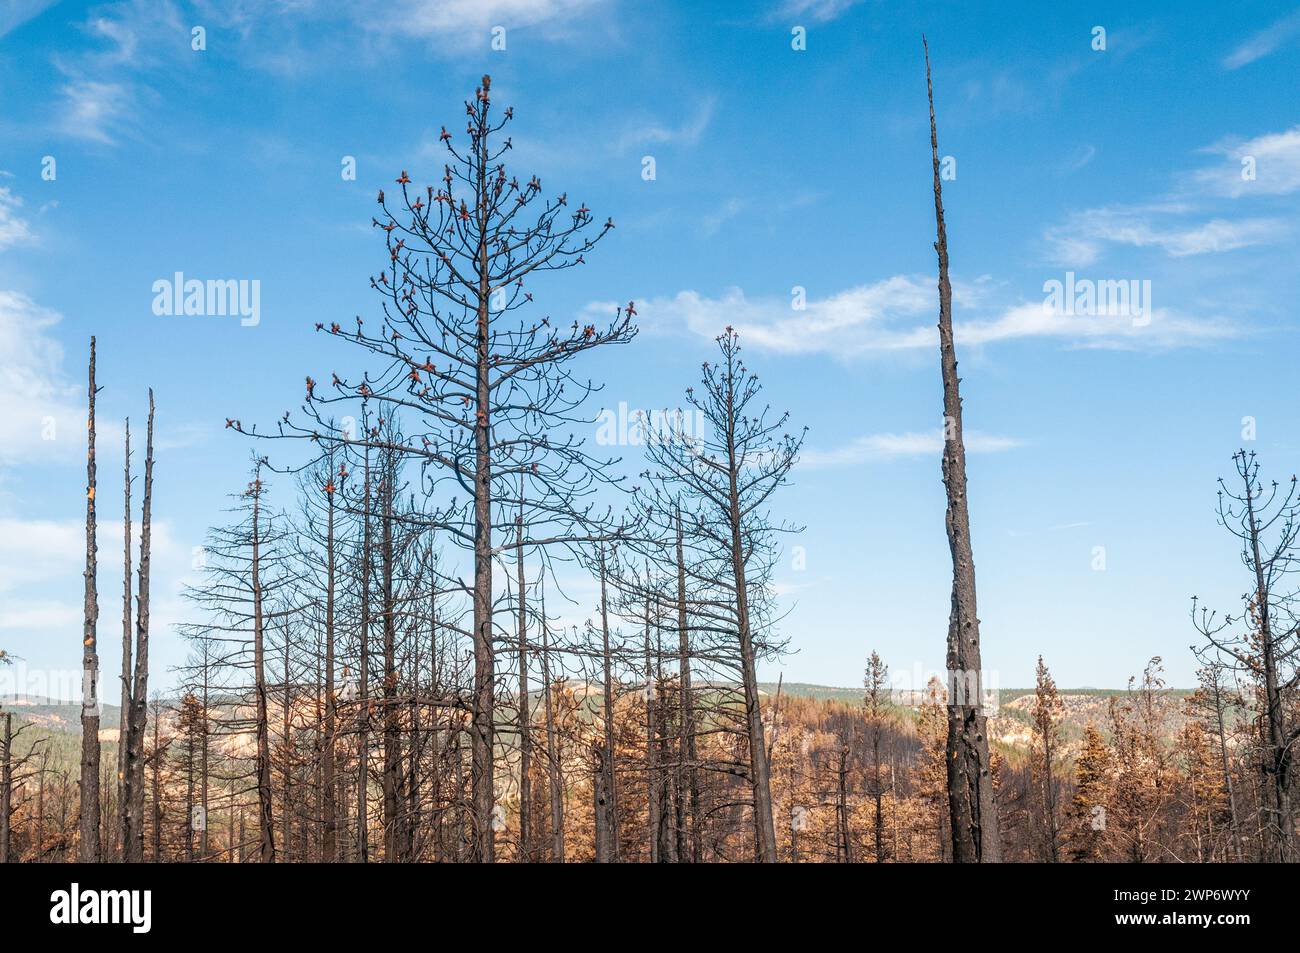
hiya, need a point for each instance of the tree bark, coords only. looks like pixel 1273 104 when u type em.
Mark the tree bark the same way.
pixel 1277 769
pixel 760 777
pixel 7 789
pixel 133 833
pixel 329 820
pixel 974 826
pixel 552 753
pixel 525 708
pixel 124 712
pixel 482 775
pixel 392 740
pixel 688 799
pixel 266 820
pixel 610 781
pixel 363 678
pixel 89 850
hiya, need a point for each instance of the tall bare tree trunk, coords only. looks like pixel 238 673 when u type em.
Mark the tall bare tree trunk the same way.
pixel 552 753
pixel 133 832
pixel 688 791
pixel 482 776
pixel 329 833
pixel 974 826
pixel 1281 825
pixel 89 850
pixel 654 780
pixel 124 712
pixel 286 748
pixel 7 789
pixel 610 783
pixel 760 775
pixel 435 716
pixel 265 818
pixel 392 740
pixel 525 708
pixel 363 677
pixel 203 762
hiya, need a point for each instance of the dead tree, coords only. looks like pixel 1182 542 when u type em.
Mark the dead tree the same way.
pixel 525 723
pixel 876 681
pixel 728 476
pixel 6 787
pixel 133 828
pixel 974 826
pixel 1215 700
pixel 493 401
pixel 554 780
pixel 1046 714
pixel 1266 521
pixel 124 712
pixel 266 822
pixel 607 847
pixel 89 851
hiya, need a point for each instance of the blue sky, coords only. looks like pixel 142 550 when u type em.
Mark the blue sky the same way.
pixel 775 169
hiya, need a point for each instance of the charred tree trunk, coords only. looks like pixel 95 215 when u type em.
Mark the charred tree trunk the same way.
pixel 609 781
pixel 1281 825
pixel 89 851
pixel 552 752
pixel 133 833
pixel 760 778
pixel 363 677
pixel 286 758
pixel 7 790
pixel 482 776
pixel 266 820
pixel 124 712
pixel 329 804
pixel 974 822
pixel 525 708
pixel 203 764
pixel 392 740
pixel 688 797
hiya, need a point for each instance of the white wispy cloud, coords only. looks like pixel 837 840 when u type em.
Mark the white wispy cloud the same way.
pixel 107 81
pixel 1079 159
pixel 13 227
pixel 818 11
pixel 1170 227
pixel 1266 41
pixel 653 132
pixel 419 18
pixel 41 562
pixel 711 222
pixel 37 402
pixel 14 13
pixel 40 616
pixel 880 447
pixel 900 313
pixel 94 110
pixel 1276 158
